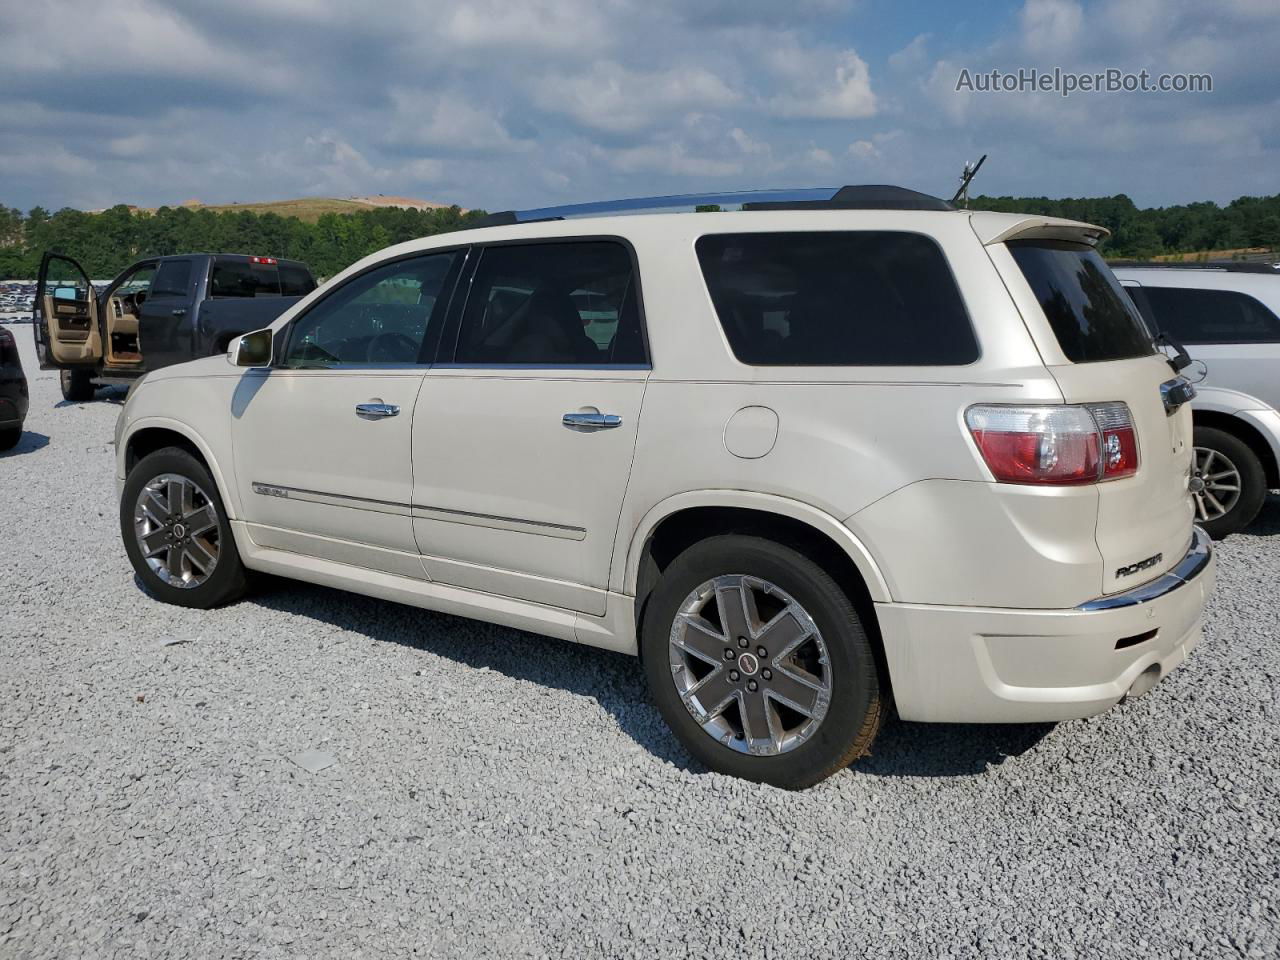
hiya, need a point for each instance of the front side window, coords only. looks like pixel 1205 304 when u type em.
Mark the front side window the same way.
pixel 1092 317
pixel 875 298
pixel 173 279
pixel 382 316
pixel 553 304
pixel 1207 316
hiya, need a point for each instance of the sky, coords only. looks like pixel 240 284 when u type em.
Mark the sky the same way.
pixel 506 104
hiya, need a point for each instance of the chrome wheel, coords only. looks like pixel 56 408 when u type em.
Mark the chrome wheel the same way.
pixel 177 530
pixel 1218 488
pixel 750 665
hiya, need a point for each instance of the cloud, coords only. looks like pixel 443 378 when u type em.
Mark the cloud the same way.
pixel 614 99
pixel 829 85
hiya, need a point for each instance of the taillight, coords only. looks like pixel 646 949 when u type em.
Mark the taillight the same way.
pixel 1055 444
pixel 262 259
pixel 8 347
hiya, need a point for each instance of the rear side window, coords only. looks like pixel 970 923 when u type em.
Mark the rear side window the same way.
pixel 1207 316
pixel 173 279
pixel 1090 313
pixel 241 278
pixel 553 304
pixel 295 281
pixel 873 298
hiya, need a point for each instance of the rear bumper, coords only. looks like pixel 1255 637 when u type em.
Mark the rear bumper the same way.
pixel 991 665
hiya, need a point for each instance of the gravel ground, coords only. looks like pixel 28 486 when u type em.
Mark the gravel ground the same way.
pixel 495 793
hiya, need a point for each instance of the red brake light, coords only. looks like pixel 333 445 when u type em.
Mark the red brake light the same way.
pixel 262 259
pixel 1055 444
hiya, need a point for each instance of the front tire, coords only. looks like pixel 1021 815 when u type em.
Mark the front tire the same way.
pixel 176 532
pixel 759 663
pixel 77 385
pixel 1235 485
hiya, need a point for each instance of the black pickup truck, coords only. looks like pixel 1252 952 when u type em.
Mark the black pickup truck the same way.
pixel 160 311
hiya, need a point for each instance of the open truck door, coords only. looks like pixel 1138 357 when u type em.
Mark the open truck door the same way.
pixel 66 324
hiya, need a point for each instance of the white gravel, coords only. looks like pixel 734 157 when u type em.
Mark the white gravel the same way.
pixel 495 793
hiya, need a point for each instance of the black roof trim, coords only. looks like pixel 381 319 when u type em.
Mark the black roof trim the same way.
pixel 505 218
pixel 877 196
pixel 1226 266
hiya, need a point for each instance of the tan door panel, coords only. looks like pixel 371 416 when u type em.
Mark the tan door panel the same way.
pixel 74 336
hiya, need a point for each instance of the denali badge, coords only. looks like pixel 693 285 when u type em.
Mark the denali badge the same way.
pixel 1133 568
pixel 266 491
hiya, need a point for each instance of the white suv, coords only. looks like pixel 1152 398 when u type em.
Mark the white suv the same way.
pixel 801 458
pixel 1226 315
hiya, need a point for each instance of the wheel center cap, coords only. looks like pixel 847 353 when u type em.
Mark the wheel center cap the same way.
pixel 748 664
pixel 179 531
pixel 1196 485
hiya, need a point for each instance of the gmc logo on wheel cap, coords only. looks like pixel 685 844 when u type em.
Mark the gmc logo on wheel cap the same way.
pixel 1133 568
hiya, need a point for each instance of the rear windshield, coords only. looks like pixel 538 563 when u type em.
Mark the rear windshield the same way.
pixel 870 297
pixel 1091 315
pixel 242 278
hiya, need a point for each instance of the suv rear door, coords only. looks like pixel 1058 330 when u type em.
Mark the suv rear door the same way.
pixel 1098 350
pixel 523 437
pixel 66 315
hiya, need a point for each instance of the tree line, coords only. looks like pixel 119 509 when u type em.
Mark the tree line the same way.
pixel 106 242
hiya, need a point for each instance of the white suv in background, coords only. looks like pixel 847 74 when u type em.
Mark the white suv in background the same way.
pixel 1226 316
pixel 801 458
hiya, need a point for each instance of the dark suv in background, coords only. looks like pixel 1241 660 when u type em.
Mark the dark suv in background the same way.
pixel 13 392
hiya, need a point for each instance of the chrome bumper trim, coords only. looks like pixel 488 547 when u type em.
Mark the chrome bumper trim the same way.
pixel 1188 568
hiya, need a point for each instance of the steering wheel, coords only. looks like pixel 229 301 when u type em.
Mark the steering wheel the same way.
pixel 392 348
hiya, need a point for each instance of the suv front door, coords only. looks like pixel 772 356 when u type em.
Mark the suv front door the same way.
pixel 525 428
pixel 322 438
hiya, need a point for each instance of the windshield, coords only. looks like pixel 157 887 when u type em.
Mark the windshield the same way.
pixel 1091 315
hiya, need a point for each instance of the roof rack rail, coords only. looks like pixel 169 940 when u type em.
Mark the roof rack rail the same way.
pixel 867 197
pixel 1227 266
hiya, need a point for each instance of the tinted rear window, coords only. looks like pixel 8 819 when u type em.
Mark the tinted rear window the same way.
pixel 295 280
pixel 1207 316
pixel 873 298
pixel 1091 315
pixel 240 278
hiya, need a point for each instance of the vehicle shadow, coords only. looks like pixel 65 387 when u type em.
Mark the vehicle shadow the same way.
pixel 617 683
pixel 947 749
pixel 1267 523
pixel 29 443
pixel 113 395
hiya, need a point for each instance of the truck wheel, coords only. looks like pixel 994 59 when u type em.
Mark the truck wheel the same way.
pixel 759 663
pixel 77 385
pixel 9 437
pixel 1234 483
pixel 176 532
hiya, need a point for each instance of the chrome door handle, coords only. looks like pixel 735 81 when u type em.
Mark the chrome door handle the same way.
pixel 377 410
pixel 593 421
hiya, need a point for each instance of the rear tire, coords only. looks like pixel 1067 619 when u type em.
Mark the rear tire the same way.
pixel 831 676
pixel 176 532
pixel 1223 461
pixel 77 385
pixel 9 437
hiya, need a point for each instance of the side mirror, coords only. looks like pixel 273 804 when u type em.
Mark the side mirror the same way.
pixel 251 349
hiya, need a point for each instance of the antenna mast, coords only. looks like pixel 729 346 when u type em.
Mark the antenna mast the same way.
pixel 970 171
